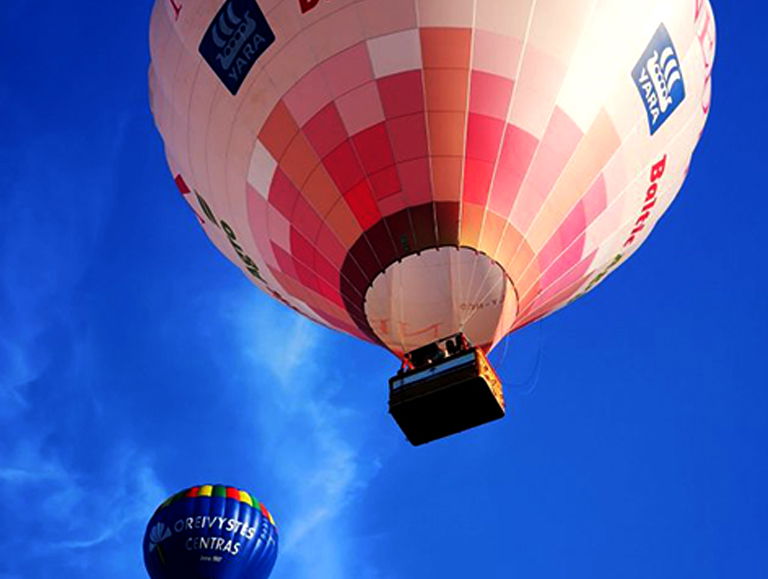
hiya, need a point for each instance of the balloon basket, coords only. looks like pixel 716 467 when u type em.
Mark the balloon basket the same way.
pixel 445 397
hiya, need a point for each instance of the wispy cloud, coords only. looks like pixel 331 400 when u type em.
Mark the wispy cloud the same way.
pixel 314 443
pixel 27 475
pixel 47 243
pixel 134 492
pixel 75 517
pixel 73 502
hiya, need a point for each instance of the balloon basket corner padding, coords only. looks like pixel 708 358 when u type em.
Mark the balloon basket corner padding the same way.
pixel 444 388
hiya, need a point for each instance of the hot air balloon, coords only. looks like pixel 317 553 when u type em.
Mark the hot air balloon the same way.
pixel 210 532
pixel 430 175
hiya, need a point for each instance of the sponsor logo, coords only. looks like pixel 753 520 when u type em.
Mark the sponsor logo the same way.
pixel 236 530
pixel 600 276
pixel 477 306
pixel 657 172
pixel 158 534
pixel 250 265
pixel 235 40
pixel 659 79
pixel 649 202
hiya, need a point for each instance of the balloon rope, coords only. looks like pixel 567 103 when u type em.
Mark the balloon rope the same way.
pixel 535 374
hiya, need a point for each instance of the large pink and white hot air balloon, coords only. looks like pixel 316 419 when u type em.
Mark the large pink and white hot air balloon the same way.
pixel 406 170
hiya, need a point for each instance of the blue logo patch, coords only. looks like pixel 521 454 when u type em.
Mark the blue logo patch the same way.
pixel 659 79
pixel 237 37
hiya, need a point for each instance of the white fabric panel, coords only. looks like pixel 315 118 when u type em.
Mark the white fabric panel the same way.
pixel 435 294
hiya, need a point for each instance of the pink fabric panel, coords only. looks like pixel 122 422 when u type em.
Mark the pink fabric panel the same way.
pixel 257 221
pixel 415 180
pixel 516 154
pixel 408 135
pixel 283 194
pixel 402 94
pixel 348 70
pixel 595 201
pixel 565 247
pixel 560 290
pixel 490 95
pixel 326 131
pixel 343 167
pixel 373 149
pixel 555 150
pixel 307 96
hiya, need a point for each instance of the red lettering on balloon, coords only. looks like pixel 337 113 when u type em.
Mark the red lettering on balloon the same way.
pixel 705 32
pixel 699 6
pixel 176 8
pixel 307 5
pixel 185 190
pixel 657 172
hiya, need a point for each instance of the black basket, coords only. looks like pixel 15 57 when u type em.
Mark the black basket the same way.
pixel 448 396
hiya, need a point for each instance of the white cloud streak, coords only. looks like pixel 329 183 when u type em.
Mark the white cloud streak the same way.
pixel 125 505
pixel 62 512
pixel 313 443
pixel 46 242
pixel 75 519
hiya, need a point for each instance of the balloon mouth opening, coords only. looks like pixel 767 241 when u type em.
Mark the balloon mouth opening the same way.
pixel 438 292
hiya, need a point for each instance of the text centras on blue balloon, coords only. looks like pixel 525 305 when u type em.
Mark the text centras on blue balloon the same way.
pixel 232 545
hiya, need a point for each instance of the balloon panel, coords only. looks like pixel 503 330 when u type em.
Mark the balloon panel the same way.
pixel 321 142
pixel 464 289
pixel 210 532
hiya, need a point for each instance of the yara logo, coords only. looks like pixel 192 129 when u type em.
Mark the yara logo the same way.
pixel 664 71
pixel 237 37
pixel 158 534
pixel 236 31
pixel 659 79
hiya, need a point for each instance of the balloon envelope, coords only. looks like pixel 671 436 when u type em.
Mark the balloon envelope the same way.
pixel 402 170
pixel 210 532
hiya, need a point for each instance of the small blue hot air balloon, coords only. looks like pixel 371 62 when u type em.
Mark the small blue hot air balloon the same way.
pixel 210 532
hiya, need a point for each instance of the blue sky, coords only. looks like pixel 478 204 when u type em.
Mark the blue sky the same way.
pixel 135 361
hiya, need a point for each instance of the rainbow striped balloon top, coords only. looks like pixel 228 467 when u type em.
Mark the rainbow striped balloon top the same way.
pixel 218 491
